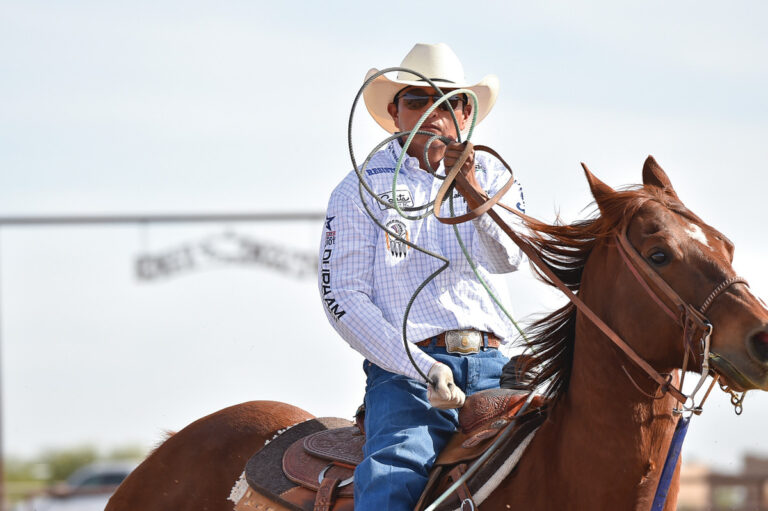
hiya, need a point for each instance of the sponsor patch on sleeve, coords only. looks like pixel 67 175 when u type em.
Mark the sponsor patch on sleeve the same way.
pixel 521 203
pixel 330 233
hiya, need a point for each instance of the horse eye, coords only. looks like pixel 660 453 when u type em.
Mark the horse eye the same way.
pixel 658 257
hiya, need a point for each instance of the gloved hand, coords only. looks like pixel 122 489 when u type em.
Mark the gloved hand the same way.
pixel 441 391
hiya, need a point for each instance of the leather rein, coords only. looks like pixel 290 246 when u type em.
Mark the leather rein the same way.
pixel 691 320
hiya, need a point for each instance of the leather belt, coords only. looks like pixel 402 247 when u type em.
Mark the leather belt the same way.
pixel 463 341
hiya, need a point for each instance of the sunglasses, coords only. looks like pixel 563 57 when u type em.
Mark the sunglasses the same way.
pixel 415 101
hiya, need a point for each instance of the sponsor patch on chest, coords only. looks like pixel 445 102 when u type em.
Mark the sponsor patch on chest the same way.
pixel 395 246
pixel 402 195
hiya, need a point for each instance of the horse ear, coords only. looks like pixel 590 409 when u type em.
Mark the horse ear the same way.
pixel 600 191
pixel 654 175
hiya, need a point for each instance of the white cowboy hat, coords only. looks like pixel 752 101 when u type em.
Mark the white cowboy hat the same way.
pixel 438 63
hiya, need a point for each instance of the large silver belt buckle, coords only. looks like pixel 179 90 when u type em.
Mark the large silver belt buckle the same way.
pixel 463 341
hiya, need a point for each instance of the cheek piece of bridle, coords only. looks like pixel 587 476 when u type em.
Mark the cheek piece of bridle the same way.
pixel 692 320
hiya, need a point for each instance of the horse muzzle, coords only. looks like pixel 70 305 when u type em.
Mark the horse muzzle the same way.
pixel 740 372
pixel 757 346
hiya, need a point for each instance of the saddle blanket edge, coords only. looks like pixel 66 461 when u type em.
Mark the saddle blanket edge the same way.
pixel 506 468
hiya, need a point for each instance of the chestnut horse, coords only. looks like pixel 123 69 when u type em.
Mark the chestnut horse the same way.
pixel 604 443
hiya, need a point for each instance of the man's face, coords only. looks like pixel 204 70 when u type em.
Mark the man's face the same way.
pixel 409 110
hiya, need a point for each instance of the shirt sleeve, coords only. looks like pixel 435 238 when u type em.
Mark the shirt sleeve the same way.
pixel 492 246
pixel 345 281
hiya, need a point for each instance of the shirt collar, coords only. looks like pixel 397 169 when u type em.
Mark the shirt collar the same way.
pixel 409 162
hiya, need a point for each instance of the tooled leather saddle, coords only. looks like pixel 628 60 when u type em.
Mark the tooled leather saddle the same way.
pixel 310 466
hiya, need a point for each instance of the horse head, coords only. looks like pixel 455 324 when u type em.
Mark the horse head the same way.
pixel 652 290
pixel 675 262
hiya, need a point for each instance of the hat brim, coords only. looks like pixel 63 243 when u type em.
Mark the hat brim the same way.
pixel 380 92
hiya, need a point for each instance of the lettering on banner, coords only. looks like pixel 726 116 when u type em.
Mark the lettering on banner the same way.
pixel 325 280
pixel 226 249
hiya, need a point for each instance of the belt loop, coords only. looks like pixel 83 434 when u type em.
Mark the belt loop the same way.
pixel 485 341
pixel 433 341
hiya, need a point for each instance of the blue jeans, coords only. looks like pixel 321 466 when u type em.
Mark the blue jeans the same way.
pixel 404 433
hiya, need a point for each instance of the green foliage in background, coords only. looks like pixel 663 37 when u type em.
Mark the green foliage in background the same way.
pixel 62 462
pixel 54 465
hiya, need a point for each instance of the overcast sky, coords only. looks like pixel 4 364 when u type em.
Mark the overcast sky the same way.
pixel 242 106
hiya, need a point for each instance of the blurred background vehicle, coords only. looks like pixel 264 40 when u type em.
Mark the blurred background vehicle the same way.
pixel 87 489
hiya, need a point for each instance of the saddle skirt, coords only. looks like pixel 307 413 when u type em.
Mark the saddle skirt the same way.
pixel 310 466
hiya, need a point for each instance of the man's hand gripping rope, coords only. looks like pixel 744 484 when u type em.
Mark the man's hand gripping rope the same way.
pixel 442 392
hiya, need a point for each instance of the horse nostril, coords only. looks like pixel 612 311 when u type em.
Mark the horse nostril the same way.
pixel 759 343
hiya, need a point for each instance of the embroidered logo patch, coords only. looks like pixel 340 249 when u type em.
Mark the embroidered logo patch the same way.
pixel 396 247
pixel 403 195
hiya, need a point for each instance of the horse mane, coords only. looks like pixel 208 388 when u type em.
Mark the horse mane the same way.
pixel 167 434
pixel 565 248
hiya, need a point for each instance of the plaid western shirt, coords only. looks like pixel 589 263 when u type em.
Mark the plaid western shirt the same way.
pixel 366 277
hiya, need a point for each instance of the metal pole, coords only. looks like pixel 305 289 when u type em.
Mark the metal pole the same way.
pixel 159 218
pixel 2 451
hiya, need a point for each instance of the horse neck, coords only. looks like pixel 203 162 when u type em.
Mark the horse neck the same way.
pixel 603 404
pixel 613 428
pixel 602 429
pixel 609 429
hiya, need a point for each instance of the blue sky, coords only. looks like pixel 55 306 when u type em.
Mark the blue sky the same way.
pixel 242 106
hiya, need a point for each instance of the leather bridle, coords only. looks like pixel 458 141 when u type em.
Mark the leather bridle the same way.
pixel 691 320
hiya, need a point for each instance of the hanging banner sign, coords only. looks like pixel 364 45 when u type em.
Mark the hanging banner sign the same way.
pixel 225 249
